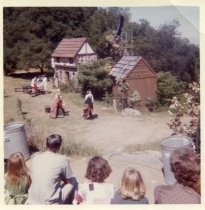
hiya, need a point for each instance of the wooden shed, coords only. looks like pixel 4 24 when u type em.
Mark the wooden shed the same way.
pixel 69 53
pixel 138 74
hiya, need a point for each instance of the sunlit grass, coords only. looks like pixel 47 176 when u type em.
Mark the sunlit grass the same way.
pixel 143 147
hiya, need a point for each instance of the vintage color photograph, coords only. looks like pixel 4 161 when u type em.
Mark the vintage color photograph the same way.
pixel 101 105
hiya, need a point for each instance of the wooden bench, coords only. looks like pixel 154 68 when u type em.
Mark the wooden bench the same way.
pixel 27 88
pixel 24 89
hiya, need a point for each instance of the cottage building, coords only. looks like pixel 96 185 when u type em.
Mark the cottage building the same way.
pixel 69 53
pixel 138 74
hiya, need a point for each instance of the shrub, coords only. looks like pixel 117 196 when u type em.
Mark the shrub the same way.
pixel 188 106
pixel 127 97
pixel 94 76
pixel 168 86
pixel 108 98
pixel 134 99
pixel 151 104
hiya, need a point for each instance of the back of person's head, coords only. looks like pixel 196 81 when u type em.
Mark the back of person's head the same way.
pixel 57 96
pixel 16 167
pixel 132 185
pixel 98 169
pixel 88 91
pixel 185 164
pixel 53 142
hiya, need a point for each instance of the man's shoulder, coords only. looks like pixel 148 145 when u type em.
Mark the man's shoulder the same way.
pixel 52 155
pixel 60 156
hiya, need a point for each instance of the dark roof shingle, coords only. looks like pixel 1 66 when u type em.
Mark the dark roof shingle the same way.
pixel 124 66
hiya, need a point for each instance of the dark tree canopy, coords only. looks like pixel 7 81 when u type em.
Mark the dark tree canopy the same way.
pixel 32 33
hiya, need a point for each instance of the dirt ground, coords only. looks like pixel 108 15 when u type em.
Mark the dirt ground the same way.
pixel 110 133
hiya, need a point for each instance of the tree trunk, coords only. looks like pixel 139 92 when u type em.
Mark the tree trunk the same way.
pixel 41 69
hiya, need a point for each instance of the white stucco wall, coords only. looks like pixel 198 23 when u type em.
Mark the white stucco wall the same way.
pixel 52 63
pixel 86 49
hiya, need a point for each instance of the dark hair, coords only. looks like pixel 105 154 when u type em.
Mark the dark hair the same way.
pixel 185 164
pixel 53 142
pixel 98 169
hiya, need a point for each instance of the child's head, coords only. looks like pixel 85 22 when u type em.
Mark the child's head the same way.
pixel 98 169
pixel 16 166
pixel 132 185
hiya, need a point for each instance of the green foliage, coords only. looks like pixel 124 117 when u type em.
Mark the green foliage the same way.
pixel 70 86
pixel 108 98
pixel 152 105
pixel 134 99
pixel 122 95
pixel 126 97
pixel 168 86
pixel 30 34
pixel 95 77
pixel 188 106
pixel 165 50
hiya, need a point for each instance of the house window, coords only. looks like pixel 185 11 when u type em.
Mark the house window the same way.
pixel 58 60
pixel 68 75
pixel 71 60
pixel 64 60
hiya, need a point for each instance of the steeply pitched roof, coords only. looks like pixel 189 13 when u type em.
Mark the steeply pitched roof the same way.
pixel 69 47
pixel 125 66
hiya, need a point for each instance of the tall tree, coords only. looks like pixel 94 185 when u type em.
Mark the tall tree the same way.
pixel 31 34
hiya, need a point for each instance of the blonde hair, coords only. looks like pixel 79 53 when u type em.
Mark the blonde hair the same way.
pixel 16 168
pixel 132 185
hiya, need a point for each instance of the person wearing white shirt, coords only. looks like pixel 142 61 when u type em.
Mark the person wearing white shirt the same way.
pixel 95 190
pixel 51 175
pixel 88 106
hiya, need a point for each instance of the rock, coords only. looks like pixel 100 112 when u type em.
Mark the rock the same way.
pixel 131 112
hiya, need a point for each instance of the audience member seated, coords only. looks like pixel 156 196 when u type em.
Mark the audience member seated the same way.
pixel 131 189
pixel 51 175
pixel 96 190
pixel 185 164
pixel 17 180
